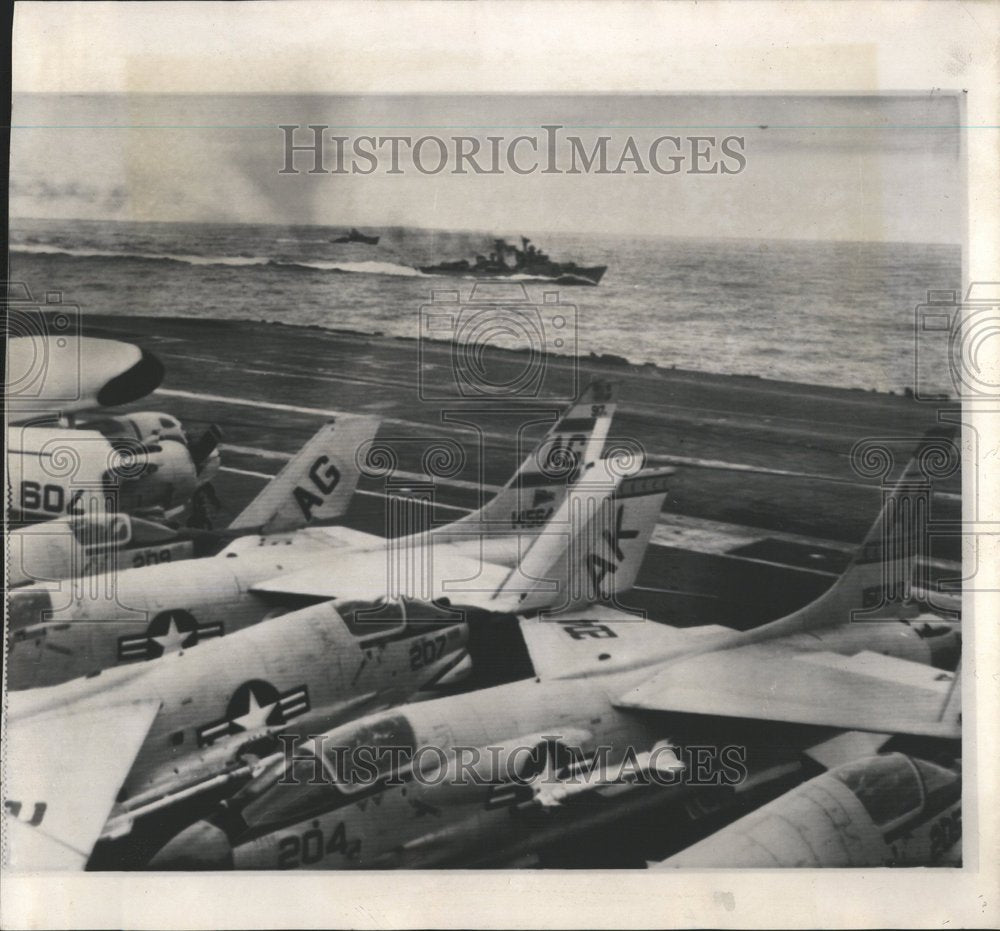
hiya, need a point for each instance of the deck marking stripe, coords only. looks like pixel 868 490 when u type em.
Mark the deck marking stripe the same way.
pixel 752 535
pixel 719 464
pixel 263 475
pixel 437 504
pixel 359 491
pixel 246 402
pixel 685 411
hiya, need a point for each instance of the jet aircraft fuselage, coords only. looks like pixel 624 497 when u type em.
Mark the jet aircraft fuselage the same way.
pixel 309 670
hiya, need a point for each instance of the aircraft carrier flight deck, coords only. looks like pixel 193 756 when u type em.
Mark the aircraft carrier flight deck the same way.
pixel 765 508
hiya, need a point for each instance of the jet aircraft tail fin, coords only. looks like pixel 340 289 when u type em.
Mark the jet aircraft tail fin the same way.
pixel 540 486
pixel 317 484
pixel 591 549
pixel 885 577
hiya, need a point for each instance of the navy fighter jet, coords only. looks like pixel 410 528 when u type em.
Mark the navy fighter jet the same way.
pixel 890 809
pixel 133 740
pixel 138 614
pixel 315 486
pixel 68 457
pixel 607 723
pixel 195 721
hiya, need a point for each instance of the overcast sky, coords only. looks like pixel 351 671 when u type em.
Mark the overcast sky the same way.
pixel 847 168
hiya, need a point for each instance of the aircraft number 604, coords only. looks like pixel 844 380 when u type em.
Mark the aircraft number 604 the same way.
pixel 48 498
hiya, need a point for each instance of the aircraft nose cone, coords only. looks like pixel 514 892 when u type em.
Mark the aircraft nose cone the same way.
pixel 27 608
pixel 202 846
pixel 946 650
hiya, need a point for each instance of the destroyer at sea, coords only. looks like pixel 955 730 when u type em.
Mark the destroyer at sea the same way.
pixel 527 262
pixel 355 236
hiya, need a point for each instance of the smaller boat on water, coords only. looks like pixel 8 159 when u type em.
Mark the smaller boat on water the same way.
pixel 527 262
pixel 355 236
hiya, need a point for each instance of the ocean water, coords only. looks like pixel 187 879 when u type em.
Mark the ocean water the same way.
pixel 814 312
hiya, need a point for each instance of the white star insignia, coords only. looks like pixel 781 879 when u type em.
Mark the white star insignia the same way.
pixel 256 714
pixel 173 639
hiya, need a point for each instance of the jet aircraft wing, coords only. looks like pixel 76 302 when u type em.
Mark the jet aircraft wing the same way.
pixel 776 682
pixel 391 572
pixel 601 639
pixel 62 773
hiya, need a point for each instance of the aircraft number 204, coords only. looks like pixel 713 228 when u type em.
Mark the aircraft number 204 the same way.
pixel 311 846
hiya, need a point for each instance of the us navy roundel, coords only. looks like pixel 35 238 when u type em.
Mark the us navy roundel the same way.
pixel 254 705
pixel 171 630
